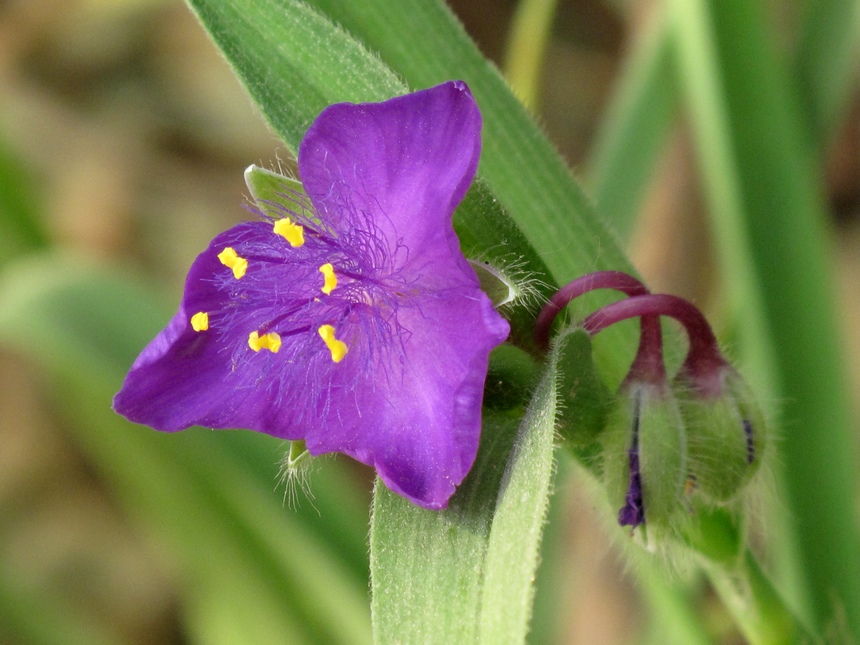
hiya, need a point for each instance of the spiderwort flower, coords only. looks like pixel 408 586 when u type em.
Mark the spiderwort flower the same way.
pixel 347 317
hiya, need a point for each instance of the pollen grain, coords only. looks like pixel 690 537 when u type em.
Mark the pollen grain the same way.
pixel 200 321
pixel 230 259
pixel 337 347
pixel 270 341
pixel 292 233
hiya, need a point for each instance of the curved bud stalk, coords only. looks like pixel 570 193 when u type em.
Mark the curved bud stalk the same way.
pixel 587 399
pixel 615 280
pixel 726 428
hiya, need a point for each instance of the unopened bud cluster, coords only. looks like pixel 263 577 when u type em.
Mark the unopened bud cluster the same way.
pixel 664 443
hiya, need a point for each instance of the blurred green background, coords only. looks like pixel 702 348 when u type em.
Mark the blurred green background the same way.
pixel 123 137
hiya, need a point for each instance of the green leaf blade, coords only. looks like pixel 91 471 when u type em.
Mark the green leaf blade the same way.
pixel 450 576
pixel 520 514
pixel 426 566
pixel 293 61
pixel 635 130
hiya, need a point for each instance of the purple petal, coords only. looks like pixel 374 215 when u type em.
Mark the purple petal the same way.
pixel 407 161
pixel 183 377
pixel 418 419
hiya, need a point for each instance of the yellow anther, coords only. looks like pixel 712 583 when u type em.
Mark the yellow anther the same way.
pixel 231 260
pixel 330 278
pixel 337 347
pixel 270 341
pixel 200 321
pixel 293 233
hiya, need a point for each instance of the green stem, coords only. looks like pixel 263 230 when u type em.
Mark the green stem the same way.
pixel 529 34
pixel 673 608
pixel 758 609
pixel 762 613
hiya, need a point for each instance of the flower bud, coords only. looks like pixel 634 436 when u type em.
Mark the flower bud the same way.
pixel 725 431
pixel 586 398
pixel 645 455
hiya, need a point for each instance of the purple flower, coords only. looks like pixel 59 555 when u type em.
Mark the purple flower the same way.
pixel 347 317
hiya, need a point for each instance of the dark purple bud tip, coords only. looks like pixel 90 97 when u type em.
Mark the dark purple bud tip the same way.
pixel 632 514
pixel 748 431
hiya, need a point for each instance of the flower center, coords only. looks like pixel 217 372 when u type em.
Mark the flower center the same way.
pixel 307 288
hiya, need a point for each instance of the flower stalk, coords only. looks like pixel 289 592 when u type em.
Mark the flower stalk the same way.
pixel 703 356
pixel 615 280
pixel 649 357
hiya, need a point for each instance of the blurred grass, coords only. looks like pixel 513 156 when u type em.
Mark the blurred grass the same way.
pixel 824 69
pixel 23 230
pixel 635 128
pixel 528 35
pixel 247 569
pixel 763 189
